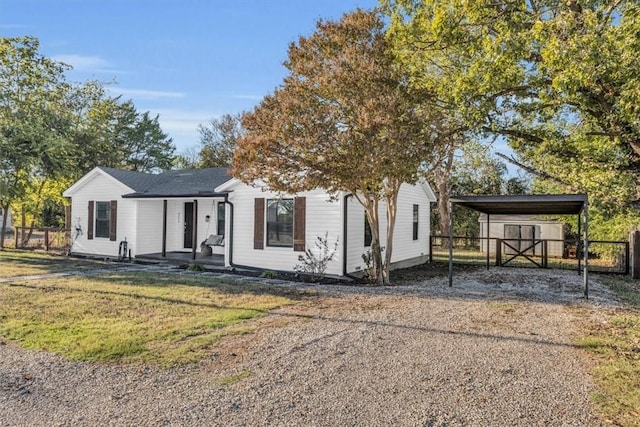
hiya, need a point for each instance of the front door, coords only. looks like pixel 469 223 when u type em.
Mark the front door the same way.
pixel 188 225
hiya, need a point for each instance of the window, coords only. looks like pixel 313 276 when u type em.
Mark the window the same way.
pixel 280 222
pixel 415 222
pixel 103 216
pixel 367 232
pixel 221 217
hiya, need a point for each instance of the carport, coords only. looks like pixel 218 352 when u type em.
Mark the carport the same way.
pixel 555 204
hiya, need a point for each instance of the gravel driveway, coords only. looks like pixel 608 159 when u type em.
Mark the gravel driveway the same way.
pixel 496 349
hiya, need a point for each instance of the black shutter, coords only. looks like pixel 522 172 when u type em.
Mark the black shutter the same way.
pixel 299 224
pixel 258 223
pixel 113 220
pixel 90 224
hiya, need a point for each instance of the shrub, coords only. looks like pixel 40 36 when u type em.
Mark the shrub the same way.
pixel 314 263
pixel 269 274
pixel 195 267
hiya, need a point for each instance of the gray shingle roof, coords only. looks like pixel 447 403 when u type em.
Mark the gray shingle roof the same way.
pixel 180 183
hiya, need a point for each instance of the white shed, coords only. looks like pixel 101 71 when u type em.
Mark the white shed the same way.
pixel 520 231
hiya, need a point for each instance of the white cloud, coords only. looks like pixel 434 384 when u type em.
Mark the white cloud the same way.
pixel 182 120
pixel 87 63
pixel 182 125
pixel 13 27
pixel 144 93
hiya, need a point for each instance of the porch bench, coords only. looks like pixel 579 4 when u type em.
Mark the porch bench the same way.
pixel 212 240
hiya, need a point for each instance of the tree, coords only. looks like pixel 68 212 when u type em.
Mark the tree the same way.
pixel 472 170
pixel 189 158
pixel 476 172
pixel 559 80
pixel 219 139
pixel 34 119
pixel 147 147
pixel 53 131
pixel 113 133
pixel 345 120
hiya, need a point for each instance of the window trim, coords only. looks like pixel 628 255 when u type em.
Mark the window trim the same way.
pixel 368 235
pixel 220 227
pixel 416 221
pixel 100 231
pixel 269 202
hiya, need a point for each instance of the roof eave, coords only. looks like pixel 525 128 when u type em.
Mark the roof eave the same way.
pixel 174 196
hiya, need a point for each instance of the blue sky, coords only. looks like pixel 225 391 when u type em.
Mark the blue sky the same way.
pixel 186 60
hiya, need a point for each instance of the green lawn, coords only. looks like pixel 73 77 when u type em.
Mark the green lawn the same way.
pixel 475 257
pixel 25 263
pixel 615 346
pixel 134 317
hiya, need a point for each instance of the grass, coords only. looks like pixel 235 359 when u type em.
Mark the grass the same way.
pixel 133 317
pixel 25 263
pixel 615 345
pixel 233 379
pixel 475 257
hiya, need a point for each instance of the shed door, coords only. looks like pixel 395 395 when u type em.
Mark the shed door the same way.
pixel 512 238
pixel 519 237
pixel 527 235
pixel 188 225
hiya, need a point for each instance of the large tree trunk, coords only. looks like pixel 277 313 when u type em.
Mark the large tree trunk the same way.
pixel 5 217
pixel 392 209
pixel 443 185
pixel 370 204
pixel 373 216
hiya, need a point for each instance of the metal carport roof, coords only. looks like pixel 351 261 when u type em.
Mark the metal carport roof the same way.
pixel 545 204
pixel 548 204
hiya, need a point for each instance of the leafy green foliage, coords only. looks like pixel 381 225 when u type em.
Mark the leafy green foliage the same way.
pixel 53 131
pixel 114 134
pixel 559 80
pixel 269 274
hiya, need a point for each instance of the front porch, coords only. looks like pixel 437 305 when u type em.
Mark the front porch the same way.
pixel 215 260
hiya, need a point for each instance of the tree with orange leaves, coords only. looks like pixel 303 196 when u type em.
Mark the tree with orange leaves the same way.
pixel 346 120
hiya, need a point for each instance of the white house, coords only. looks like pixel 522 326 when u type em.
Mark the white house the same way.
pixel 521 232
pixel 176 211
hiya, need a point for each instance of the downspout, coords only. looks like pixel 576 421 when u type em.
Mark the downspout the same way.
pixel 345 211
pixel 230 239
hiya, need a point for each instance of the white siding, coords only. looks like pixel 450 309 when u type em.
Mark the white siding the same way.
pixel 404 247
pixel 322 216
pixel 149 222
pixel 149 227
pixel 101 189
pixel 545 229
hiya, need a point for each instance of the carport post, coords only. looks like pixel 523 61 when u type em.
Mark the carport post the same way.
pixel 586 249
pixel 579 242
pixel 488 240
pixel 450 245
